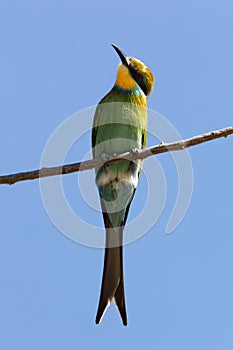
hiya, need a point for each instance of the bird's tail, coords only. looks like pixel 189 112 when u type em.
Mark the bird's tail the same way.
pixel 113 280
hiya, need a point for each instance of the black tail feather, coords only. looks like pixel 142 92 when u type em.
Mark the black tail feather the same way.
pixel 113 280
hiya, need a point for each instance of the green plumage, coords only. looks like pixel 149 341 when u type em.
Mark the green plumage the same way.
pixel 119 126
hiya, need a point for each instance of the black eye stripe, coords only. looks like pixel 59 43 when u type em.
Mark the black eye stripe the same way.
pixel 139 79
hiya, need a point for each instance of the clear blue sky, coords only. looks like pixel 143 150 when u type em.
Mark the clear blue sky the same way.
pixel 55 60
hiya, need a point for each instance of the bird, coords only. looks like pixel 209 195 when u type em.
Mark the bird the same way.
pixel 119 126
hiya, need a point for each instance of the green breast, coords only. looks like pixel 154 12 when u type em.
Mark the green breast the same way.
pixel 119 124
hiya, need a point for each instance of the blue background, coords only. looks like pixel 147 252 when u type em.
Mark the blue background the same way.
pixel 56 59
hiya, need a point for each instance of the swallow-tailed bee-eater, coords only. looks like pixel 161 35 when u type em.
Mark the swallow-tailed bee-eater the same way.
pixel 119 126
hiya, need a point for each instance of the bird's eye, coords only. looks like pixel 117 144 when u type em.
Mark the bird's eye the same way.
pixel 138 76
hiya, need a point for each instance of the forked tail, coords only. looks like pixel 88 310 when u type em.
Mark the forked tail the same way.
pixel 113 279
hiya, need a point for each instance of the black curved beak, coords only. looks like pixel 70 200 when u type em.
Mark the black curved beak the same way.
pixel 123 57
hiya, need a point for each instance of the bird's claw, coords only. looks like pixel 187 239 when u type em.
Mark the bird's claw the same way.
pixel 105 157
pixel 135 152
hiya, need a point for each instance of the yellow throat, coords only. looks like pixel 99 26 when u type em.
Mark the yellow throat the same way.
pixel 124 79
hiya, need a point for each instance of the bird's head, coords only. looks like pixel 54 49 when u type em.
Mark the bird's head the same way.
pixel 131 71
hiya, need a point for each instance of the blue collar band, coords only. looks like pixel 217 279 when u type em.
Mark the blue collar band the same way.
pixel 129 91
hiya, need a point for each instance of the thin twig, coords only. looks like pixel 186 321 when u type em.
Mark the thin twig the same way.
pixel 90 164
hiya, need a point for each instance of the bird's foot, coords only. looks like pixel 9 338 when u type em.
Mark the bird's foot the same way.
pixel 105 157
pixel 135 152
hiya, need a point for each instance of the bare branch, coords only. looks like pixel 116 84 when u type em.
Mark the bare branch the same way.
pixel 90 164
